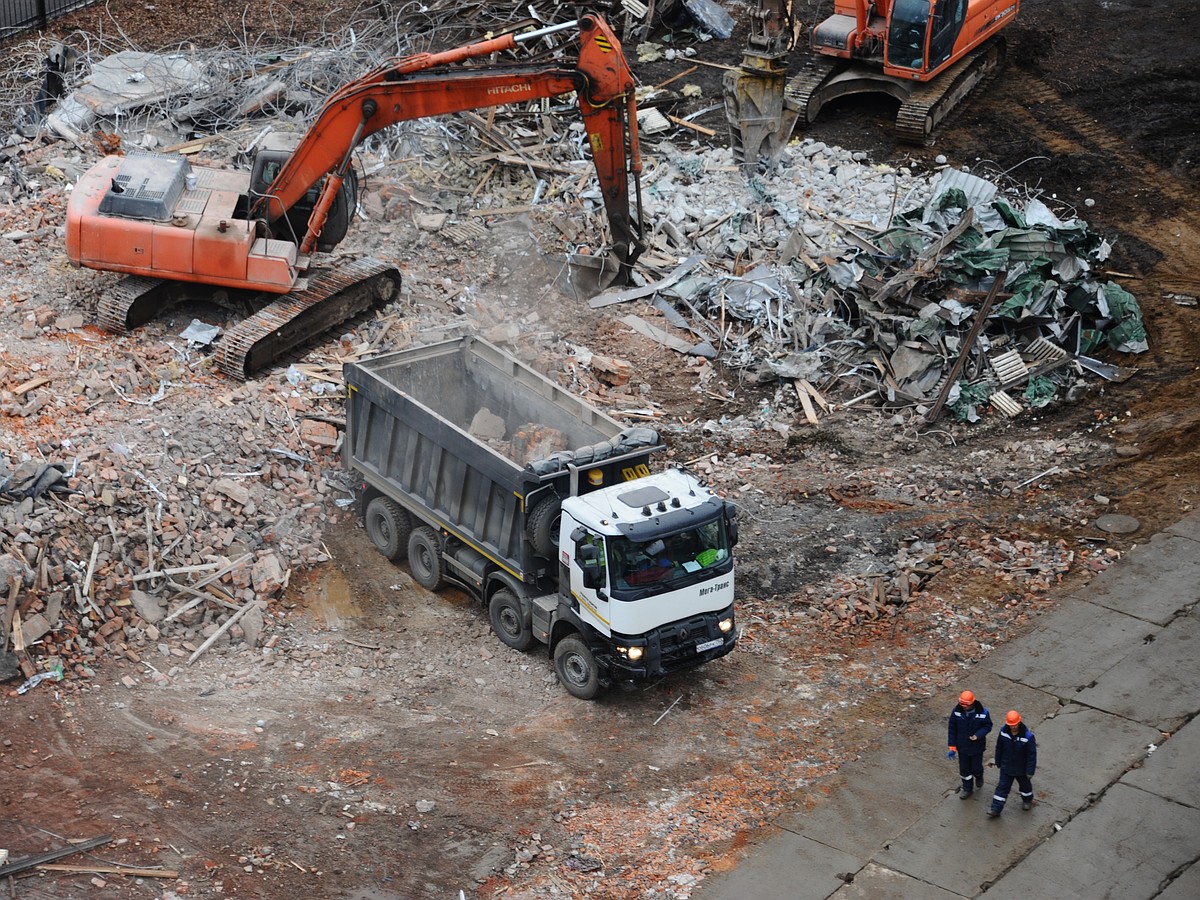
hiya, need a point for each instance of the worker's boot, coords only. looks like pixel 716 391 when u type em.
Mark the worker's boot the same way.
pixel 964 793
pixel 978 781
pixel 994 811
pixel 1026 803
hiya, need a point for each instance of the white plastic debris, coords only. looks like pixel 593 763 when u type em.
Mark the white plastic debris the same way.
pixel 200 335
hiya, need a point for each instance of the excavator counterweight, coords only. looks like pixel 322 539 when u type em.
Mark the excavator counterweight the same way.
pixel 167 224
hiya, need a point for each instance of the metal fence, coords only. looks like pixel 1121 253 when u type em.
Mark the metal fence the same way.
pixel 17 16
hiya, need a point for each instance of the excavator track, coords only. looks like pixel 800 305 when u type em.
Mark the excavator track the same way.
pixel 929 104
pixel 332 296
pixel 922 106
pixel 131 302
pixel 801 88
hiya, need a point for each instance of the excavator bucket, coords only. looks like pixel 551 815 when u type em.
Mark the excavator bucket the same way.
pixel 591 275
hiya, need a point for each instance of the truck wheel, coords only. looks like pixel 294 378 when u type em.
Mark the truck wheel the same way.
pixel 425 558
pixel 509 622
pixel 542 527
pixel 388 527
pixel 576 668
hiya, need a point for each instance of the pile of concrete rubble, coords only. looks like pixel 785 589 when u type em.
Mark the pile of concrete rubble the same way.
pixel 861 281
pixel 124 539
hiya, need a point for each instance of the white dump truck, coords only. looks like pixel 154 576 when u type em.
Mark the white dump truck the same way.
pixel 484 473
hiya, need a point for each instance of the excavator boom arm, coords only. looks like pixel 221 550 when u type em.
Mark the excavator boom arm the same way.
pixel 427 85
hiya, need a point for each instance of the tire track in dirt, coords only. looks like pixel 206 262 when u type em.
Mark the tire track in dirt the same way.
pixel 1071 133
pixel 1161 481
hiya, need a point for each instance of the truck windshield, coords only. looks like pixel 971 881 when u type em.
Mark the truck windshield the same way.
pixel 664 564
pixel 906 36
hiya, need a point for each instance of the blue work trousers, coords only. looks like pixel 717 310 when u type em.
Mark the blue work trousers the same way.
pixel 1004 785
pixel 970 767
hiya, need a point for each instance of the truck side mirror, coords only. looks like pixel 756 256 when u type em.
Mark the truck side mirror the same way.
pixel 731 523
pixel 588 557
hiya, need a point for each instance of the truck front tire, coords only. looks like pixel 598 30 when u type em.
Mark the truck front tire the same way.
pixel 388 527
pixel 576 668
pixel 425 558
pixel 509 620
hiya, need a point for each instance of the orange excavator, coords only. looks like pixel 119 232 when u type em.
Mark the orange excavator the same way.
pixel 928 54
pixel 167 224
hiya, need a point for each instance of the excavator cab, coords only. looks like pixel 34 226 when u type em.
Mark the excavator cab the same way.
pixel 270 158
pixel 906 34
pixel 921 34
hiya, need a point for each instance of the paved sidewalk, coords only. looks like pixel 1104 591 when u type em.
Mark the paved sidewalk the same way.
pixel 1100 679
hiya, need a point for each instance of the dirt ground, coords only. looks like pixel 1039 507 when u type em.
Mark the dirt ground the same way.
pixel 388 747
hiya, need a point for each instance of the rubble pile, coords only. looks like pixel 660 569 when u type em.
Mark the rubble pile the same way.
pixel 216 84
pixel 1021 571
pixel 148 527
pixel 876 282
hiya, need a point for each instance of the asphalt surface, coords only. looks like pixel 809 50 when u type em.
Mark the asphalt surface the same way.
pixel 1109 682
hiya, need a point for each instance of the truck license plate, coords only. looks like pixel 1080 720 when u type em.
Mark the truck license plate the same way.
pixel 710 645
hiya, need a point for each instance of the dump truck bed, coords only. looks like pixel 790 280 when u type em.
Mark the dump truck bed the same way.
pixel 469 438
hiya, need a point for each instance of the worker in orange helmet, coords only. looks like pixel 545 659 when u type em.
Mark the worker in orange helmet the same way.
pixel 967 734
pixel 1016 758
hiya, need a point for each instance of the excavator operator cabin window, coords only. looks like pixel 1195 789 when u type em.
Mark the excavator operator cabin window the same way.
pixel 906 36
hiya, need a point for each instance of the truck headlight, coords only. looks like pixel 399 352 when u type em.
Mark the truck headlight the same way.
pixel 633 654
pixel 726 625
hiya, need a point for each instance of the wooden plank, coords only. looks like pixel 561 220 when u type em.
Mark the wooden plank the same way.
pixel 676 77
pixel 513 159
pixel 814 393
pixel 713 65
pixel 14 590
pixel 32 384
pixel 225 627
pixel 499 211
pixel 806 401
pixel 18 633
pixel 968 345
pixel 709 132
pixel 110 870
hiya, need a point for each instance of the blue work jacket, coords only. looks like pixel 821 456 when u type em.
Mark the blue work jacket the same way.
pixel 974 720
pixel 1016 754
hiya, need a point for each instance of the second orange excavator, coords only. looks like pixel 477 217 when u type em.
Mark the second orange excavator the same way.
pixel 167 224
pixel 928 54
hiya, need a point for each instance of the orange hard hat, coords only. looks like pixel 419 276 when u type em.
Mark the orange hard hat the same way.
pixel 966 698
pixel 1013 718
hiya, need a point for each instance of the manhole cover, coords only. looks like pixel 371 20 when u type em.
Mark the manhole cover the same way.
pixel 1118 524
